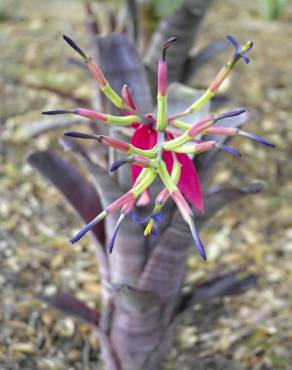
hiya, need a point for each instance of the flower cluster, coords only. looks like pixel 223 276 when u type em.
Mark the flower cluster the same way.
pixel 157 148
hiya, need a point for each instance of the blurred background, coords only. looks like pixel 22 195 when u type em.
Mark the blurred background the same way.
pixel 252 331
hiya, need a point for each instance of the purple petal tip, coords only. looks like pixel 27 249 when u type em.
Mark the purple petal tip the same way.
pixel 230 150
pixel 198 241
pixel 245 58
pixel 118 164
pixel 78 236
pixel 256 138
pixel 57 111
pixel 114 235
pixel 139 220
pixel 75 47
pixel 230 114
pixel 80 135
pixel 168 43
pixel 158 217
pixel 232 40
pixel 85 230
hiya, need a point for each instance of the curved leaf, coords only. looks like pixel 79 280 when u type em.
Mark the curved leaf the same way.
pixel 182 23
pixel 69 181
pixel 72 306
pixel 232 283
pixel 121 65
pixel 194 62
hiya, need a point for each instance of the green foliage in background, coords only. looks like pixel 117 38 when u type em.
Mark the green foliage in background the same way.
pixel 163 8
pixel 271 9
pixel 2 9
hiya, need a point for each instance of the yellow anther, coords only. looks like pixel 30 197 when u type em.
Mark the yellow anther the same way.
pixel 246 46
pixel 149 227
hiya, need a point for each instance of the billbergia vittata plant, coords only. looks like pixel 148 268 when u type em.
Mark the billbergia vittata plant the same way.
pixel 142 270
pixel 167 156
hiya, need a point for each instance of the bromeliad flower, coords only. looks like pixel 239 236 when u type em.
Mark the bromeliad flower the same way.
pixel 151 221
pixel 154 151
pixel 240 51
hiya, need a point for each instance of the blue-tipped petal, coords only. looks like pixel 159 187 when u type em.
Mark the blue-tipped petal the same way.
pixel 81 233
pixel 229 149
pixel 232 113
pixel 81 135
pixel 256 138
pixel 57 111
pixel 75 47
pixel 240 51
pixel 114 235
pixel 87 228
pixel 245 58
pixel 118 164
pixel 158 217
pixel 139 220
pixel 154 230
pixel 233 41
pixel 197 240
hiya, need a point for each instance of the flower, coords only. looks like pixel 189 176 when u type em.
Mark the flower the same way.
pixel 154 151
pixel 146 138
pixel 240 51
pixel 152 222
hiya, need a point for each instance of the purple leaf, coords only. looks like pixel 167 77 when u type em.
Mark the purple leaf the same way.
pixel 72 306
pixel 68 180
pixel 42 126
pixel 232 283
pixel 107 189
pixel 133 22
pixel 182 23
pixel 91 21
pixel 218 197
pixel 136 300
pixel 121 65
pixel 166 265
pixel 196 61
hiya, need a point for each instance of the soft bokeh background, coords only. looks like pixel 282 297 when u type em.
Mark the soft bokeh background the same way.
pixel 253 331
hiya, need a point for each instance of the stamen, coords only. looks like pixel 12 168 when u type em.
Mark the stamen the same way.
pixel 149 227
